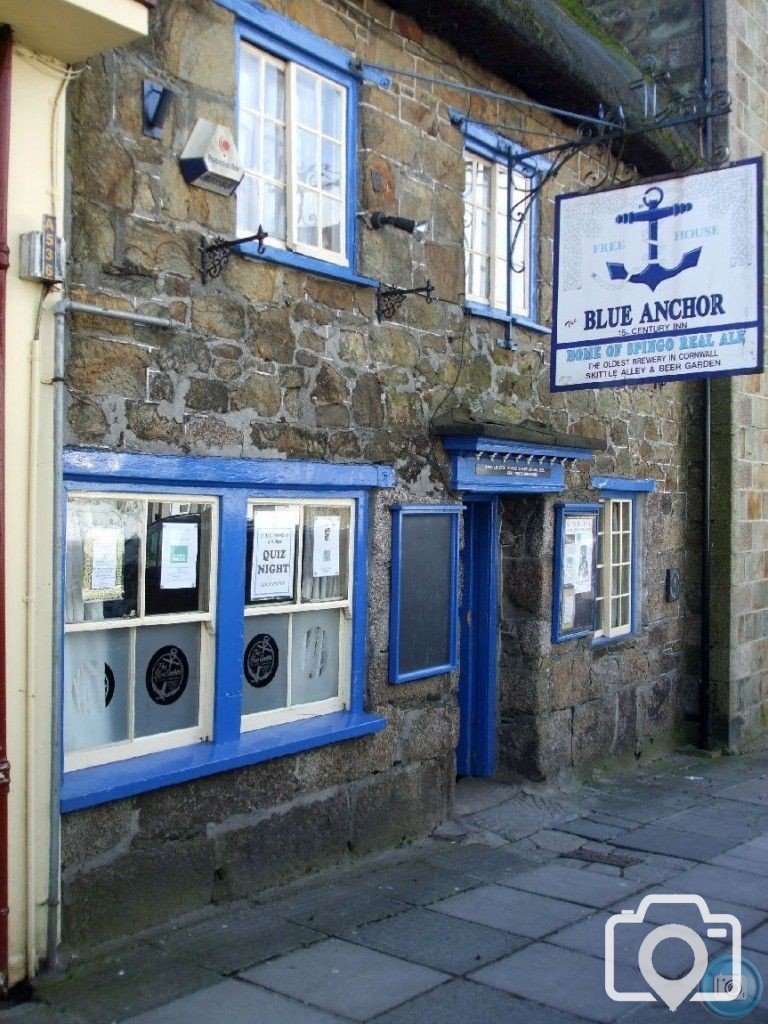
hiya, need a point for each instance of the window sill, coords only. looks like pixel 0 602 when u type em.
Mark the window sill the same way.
pixel 122 779
pixel 297 261
pixel 611 641
pixel 500 316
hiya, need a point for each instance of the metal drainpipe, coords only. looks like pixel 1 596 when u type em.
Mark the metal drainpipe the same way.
pixel 706 637
pixel 60 311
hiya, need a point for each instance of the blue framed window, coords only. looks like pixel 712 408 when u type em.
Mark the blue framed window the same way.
pixel 618 564
pixel 214 615
pixel 500 226
pixel 574 589
pixel 297 139
pixel 425 554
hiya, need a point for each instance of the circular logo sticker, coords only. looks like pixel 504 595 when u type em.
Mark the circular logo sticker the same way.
pixel 727 994
pixel 261 660
pixel 109 685
pixel 167 675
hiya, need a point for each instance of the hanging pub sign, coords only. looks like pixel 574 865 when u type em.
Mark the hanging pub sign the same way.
pixel 660 281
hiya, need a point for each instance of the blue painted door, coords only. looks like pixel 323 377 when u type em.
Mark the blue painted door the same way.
pixel 476 751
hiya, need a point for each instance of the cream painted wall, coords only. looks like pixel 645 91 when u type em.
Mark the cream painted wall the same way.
pixel 35 188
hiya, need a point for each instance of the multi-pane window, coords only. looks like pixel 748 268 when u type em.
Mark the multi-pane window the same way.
pixel 214 615
pixel 615 556
pixel 292 139
pixel 139 599
pixel 497 236
pixel 298 610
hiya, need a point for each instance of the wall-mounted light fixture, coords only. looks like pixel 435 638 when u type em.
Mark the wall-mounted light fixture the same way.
pixel 155 104
pixel 417 228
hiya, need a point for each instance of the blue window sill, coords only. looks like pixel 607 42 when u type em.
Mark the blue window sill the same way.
pixel 286 258
pixel 499 315
pixel 610 641
pixel 91 786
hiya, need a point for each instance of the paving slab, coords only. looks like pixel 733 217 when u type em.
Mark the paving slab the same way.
pixel 232 942
pixel 235 1002
pixel 708 880
pixel 757 940
pixel 740 822
pixel 686 1013
pixel 435 940
pixel 655 868
pixel 512 910
pixel 419 882
pixel 345 979
pixel 754 791
pixel 335 910
pixel 485 863
pixel 588 828
pixel 122 985
pixel 35 1013
pixel 674 843
pixel 464 1002
pixel 475 795
pixel 575 885
pixel 580 980
pixel 516 819
pixel 688 914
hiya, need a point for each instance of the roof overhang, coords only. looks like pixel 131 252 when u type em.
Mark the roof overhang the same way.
pixel 73 30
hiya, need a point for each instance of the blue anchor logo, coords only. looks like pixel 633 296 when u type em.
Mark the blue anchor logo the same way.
pixel 655 272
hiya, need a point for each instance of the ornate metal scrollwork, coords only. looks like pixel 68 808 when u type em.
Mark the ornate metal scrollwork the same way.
pixel 215 256
pixel 389 300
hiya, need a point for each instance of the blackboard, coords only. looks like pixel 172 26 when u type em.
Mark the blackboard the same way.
pixel 424 583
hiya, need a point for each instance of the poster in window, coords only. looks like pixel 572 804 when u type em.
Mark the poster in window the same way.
pixel 103 564
pixel 325 553
pixel 574 591
pixel 577 554
pixel 178 556
pixel 272 565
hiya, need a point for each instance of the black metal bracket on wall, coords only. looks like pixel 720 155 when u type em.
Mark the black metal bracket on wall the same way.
pixel 390 299
pixel 215 256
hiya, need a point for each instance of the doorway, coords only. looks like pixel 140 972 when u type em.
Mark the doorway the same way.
pixel 476 751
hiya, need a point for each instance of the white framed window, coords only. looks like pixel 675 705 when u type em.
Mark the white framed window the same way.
pixel 615 567
pixel 292 139
pixel 298 610
pixel 497 227
pixel 140 592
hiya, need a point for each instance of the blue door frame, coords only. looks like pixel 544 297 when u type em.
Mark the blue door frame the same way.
pixel 476 751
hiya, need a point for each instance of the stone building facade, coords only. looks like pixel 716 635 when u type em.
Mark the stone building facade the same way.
pixel 279 366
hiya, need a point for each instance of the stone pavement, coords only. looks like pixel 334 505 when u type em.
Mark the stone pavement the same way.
pixel 499 916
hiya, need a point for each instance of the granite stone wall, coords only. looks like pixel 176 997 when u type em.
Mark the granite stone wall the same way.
pixel 739 706
pixel 272 362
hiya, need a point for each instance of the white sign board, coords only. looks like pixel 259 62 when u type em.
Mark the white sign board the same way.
pixel 659 281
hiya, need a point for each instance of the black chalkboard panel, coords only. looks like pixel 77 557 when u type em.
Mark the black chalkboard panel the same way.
pixel 424 598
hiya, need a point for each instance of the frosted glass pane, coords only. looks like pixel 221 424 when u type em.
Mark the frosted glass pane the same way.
pixel 167 678
pixel 332 109
pixel 315 656
pixel 332 212
pixel 331 173
pixel 265 663
pixel 274 218
pixel 307 217
pixel 96 688
pixel 274 92
pixel 250 78
pixel 307 99
pixel 273 158
pixel 307 168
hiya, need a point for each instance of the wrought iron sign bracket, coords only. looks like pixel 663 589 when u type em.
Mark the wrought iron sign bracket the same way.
pixel 389 300
pixel 215 256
